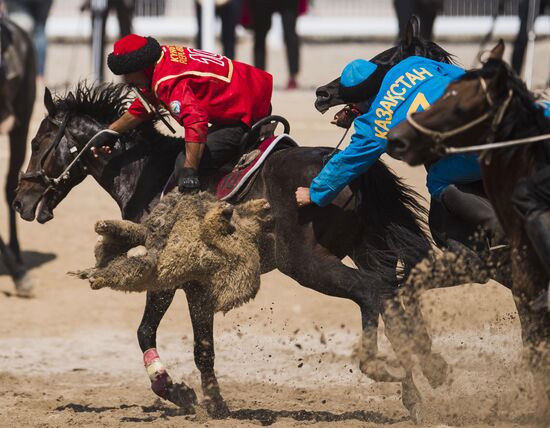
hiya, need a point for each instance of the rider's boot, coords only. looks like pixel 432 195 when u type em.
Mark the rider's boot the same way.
pixel 473 209
pixel 537 226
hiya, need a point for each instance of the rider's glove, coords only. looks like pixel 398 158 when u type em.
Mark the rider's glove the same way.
pixel 345 117
pixel 188 180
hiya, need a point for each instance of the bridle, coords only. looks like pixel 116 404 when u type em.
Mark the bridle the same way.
pixel 439 136
pixel 52 183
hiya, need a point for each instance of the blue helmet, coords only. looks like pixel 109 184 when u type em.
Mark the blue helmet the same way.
pixel 360 80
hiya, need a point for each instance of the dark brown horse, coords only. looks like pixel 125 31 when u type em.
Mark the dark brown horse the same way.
pixel 487 105
pixel 377 221
pixel 17 94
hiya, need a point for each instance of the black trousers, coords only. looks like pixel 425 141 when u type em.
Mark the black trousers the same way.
pixel 522 38
pixel 223 147
pixel 261 12
pixel 531 198
pixel 425 10
pixel 533 193
pixel 230 14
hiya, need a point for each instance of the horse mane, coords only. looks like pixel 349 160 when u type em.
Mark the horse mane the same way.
pixel 105 103
pixel 527 116
pixel 417 47
pixel 527 102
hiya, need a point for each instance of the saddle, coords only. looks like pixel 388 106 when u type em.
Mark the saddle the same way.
pixel 258 144
pixel 234 181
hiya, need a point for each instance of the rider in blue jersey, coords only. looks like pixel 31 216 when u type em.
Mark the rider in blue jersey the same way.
pixel 412 85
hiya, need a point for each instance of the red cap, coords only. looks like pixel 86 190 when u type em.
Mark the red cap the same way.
pixel 129 43
pixel 133 53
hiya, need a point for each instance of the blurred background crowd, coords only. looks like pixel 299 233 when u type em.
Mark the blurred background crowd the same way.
pixel 268 22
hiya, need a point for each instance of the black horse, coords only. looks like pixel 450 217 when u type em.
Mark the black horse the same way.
pixel 17 95
pixel 492 104
pixel 449 229
pixel 377 222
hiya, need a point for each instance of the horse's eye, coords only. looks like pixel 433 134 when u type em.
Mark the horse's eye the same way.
pixel 35 146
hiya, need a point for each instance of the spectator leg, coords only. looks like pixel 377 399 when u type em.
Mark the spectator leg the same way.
pixel 521 39
pixel 125 12
pixel 261 23
pixel 289 17
pixel 230 15
pixel 404 9
pixel 427 17
pixel 198 14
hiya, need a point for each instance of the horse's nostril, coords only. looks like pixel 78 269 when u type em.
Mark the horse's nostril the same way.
pixel 17 206
pixel 399 145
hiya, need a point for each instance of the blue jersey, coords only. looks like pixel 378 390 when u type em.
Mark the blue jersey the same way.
pixel 546 106
pixel 412 85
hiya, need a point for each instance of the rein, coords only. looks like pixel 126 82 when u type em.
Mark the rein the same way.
pixel 439 136
pixel 500 144
pixel 52 183
pixel 326 158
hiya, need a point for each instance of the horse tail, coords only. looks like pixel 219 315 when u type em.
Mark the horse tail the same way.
pixel 395 217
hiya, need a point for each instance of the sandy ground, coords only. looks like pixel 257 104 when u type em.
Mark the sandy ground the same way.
pixel 70 356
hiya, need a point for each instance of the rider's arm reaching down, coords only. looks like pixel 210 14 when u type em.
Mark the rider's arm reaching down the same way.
pixel 363 150
pixel 186 109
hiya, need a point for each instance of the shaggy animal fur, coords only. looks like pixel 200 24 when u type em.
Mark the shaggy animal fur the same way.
pixel 188 240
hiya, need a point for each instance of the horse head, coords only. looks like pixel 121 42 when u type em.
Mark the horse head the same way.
pixel 54 168
pixel 412 45
pixel 140 163
pixel 470 112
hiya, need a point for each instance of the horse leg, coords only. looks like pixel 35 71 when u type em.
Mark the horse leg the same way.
pixel 370 363
pixel 316 268
pixel 405 329
pixel 536 343
pixel 202 318
pixel 535 325
pixel 24 283
pixel 161 383
pixel 18 144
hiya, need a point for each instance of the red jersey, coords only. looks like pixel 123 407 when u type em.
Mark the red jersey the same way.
pixel 199 88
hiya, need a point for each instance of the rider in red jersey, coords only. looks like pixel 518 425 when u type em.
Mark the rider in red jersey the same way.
pixel 214 98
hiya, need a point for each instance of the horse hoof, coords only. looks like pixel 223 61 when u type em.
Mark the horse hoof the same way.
pixel 216 408
pixel 435 369
pixel 24 285
pixel 379 371
pixel 179 394
pixel 183 397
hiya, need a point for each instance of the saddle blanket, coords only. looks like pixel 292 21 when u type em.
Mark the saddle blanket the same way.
pixel 249 163
pixel 230 183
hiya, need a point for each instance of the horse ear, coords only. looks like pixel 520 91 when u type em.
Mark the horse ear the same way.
pixel 413 31
pixel 48 102
pixel 498 51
